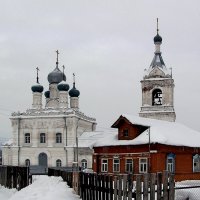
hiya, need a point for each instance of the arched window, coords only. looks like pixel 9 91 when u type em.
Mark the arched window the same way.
pixel 196 163
pixel 27 162
pixel 58 138
pixel 84 164
pixel 58 163
pixel 157 97
pixel 170 163
pixel 42 138
pixel 27 138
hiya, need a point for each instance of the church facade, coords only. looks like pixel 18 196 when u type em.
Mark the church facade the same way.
pixel 47 136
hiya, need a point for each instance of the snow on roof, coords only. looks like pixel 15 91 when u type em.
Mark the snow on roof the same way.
pixel 87 139
pixel 163 132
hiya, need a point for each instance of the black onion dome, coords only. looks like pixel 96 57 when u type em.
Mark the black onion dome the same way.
pixel 37 88
pixel 47 94
pixel 56 76
pixel 157 38
pixel 74 92
pixel 63 86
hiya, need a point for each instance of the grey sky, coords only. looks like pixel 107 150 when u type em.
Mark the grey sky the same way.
pixel 107 44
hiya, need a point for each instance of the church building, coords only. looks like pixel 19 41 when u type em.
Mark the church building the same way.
pixel 47 136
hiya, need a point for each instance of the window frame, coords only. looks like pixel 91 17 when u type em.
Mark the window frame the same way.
pixel 170 166
pixel 143 165
pixel 27 162
pixel 198 163
pixel 84 163
pixel 58 163
pixel 127 164
pixel 116 165
pixel 27 138
pixel 58 138
pixel 125 132
pixel 42 138
pixel 104 166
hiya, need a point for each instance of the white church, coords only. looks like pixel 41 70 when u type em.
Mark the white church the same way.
pixel 48 136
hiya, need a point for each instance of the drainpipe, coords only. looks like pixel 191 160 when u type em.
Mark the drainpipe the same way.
pixel 18 139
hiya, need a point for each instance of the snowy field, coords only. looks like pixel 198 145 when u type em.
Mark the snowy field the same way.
pixel 42 188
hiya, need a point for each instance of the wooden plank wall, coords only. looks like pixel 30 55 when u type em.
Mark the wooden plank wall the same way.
pixel 127 187
pixel 14 177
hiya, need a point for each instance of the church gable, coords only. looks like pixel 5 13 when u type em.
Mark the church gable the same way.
pixel 156 73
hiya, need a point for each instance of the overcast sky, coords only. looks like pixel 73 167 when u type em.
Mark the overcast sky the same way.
pixel 107 44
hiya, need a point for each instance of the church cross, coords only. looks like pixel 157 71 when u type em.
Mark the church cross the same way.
pixel 57 52
pixel 37 79
pixel 157 26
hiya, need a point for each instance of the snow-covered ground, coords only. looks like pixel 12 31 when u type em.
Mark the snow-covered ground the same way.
pixel 42 188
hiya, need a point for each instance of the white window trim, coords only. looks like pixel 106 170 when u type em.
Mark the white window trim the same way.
pixel 104 164
pixel 142 172
pixel 126 165
pixel 193 170
pixel 118 164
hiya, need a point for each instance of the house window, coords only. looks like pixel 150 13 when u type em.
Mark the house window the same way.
pixel 196 163
pixel 143 166
pixel 27 162
pixel 27 138
pixel 58 163
pixel 157 97
pixel 58 138
pixel 125 133
pixel 104 165
pixel 116 163
pixel 129 165
pixel 84 164
pixel 171 163
pixel 42 138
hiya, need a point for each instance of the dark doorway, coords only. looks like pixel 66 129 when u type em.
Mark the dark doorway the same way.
pixel 42 159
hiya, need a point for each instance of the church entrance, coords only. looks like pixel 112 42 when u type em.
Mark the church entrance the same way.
pixel 42 159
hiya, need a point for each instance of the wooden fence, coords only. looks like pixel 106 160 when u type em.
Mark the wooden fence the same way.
pixel 122 187
pixel 14 177
pixel 66 175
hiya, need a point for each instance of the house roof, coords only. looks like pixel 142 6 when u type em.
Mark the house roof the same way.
pixel 163 132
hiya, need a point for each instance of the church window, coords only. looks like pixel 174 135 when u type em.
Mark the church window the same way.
pixel 42 138
pixel 27 162
pixel 143 166
pixel 129 165
pixel 84 164
pixel 104 165
pixel 157 97
pixel 196 163
pixel 58 138
pixel 27 138
pixel 58 163
pixel 171 163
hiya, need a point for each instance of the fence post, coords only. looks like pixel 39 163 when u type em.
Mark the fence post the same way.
pixel 152 186
pixel 115 188
pixel 125 187
pixel 159 185
pixel 130 187
pixel 171 187
pixel 165 185
pixel 120 188
pixel 138 187
pixel 111 187
pixel 145 186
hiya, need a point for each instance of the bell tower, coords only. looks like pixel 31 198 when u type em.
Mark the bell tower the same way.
pixel 158 88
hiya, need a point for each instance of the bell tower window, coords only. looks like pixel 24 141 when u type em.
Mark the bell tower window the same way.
pixel 157 97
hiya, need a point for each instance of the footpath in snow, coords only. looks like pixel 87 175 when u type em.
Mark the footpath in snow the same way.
pixel 42 188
